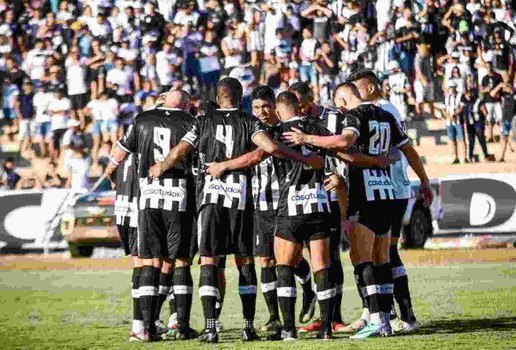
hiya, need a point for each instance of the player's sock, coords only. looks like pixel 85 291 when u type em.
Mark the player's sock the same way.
pixel 384 289
pixel 171 301
pixel 137 312
pixel 325 291
pixel 209 293
pixel 365 309
pixel 302 273
pixel 247 282
pixel 401 287
pixel 388 288
pixel 269 283
pixel 148 291
pixel 221 283
pixel 338 279
pixel 165 282
pixel 287 293
pixel 369 290
pixel 183 289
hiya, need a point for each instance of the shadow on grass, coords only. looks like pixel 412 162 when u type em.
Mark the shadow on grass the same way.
pixel 454 326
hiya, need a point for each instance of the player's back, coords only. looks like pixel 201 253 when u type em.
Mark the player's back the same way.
pixel 127 188
pixel 153 135
pixel 302 188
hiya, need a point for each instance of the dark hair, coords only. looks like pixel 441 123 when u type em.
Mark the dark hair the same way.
pixel 363 74
pixel 302 88
pixel 230 89
pixel 288 98
pixel 263 92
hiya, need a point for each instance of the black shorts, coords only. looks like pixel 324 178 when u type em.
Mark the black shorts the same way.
pixel 164 234
pixel 264 227
pixel 398 212
pixel 223 231
pixel 303 228
pixel 79 101
pixel 375 215
pixel 129 239
pixel 57 137
pixel 335 231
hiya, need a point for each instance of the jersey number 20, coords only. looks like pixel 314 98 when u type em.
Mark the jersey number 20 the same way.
pixel 380 137
pixel 161 143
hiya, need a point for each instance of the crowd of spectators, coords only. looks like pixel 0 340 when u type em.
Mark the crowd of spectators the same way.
pixel 75 67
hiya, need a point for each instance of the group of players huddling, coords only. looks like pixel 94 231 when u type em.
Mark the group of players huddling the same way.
pixel 293 175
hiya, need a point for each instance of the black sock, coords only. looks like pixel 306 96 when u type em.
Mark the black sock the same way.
pixel 302 273
pixel 287 293
pixel 183 291
pixel 165 281
pixel 221 283
pixel 368 286
pixel 384 289
pixel 137 312
pixel 325 290
pixel 247 286
pixel 148 290
pixel 269 281
pixel 401 287
pixel 209 293
pixel 171 300
pixel 338 279
pixel 360 283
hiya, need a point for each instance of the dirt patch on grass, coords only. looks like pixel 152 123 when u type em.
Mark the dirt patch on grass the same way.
pixel 410 257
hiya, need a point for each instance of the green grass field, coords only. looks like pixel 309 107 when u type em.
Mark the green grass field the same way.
pixel 461 306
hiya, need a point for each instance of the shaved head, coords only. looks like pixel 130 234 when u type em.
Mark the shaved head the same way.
pixel 177 99
pixel 346 96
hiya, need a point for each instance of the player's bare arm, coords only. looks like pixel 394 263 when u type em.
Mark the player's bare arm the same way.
pixel 280 150
pixel 336 142
pixel 417 165
pixel 175 155
pixel 359 159
pixel 117 155
pixel 250 159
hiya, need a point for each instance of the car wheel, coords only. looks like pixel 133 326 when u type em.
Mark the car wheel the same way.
pixel 419 228
pixel 80 251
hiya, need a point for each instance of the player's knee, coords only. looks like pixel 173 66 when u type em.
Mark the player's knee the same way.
pixel 266 261
pixel 182 262
pixel 209 260
pixel 243 260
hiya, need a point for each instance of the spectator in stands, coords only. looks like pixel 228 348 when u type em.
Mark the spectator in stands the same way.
pixel 309 53
pixel 508 115
pixel 492 98
pixel 399 88
pixel 209 65
pixel 76 83
pixel 10 107
pixel 26 113
pixel 474 118
pixel 51 179
pixel 41 101
pixel 453 108
pixel 9 177
pixel 424 84
pixel 59 109
pixel 78 165
pixel 109 109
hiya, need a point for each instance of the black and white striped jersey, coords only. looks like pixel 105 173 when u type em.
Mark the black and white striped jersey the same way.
pixel 153 135
pixel 265 184
pixel 377 131
pixel 127 187
pixel 221 135
pixel 302 188
pixel 332 120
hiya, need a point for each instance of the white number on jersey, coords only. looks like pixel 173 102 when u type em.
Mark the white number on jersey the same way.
pixel 224 134
pixel 128 164
pixel 161 143
pixel 381 138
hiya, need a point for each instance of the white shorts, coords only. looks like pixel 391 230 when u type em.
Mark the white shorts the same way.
pixel 27 129
pixel 424 93
pixel 494 111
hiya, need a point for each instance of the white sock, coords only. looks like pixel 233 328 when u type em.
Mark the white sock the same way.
pixel 137 326
pixel 365 314
pixel 376 318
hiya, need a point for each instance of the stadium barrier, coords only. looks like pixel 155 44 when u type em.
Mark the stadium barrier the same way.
pixel 483 203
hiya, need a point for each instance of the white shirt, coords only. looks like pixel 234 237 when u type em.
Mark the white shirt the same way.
pixel 41 103
pixel 95 106
pixel 163 62
pixel 109 109
pixel 398 82
pixel 272 22
pixel 122 78
pixel 59 120
pixel 75 79
pixel 308 50
pixel 78 169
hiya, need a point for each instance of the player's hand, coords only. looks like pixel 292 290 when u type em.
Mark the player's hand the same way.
pixel 333 182
pixel 216 170
pixel 315 161
pixel 296 137
pixel 426 193
pixel 155 171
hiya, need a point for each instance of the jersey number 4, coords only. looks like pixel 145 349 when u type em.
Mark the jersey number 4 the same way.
pixel 161 143
pixel 224 134
pixel 380 137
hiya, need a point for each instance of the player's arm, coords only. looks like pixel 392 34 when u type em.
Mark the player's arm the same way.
pixel 176 154
pixel 359 159
pixel 278 149
pixel 416 164
pixel 340 142
pixel 117 155
pixel 244 161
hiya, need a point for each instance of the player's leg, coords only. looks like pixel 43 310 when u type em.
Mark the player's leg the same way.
pixel 286 251
pixel 264 223
pixel 383 277
pixel 211 245
pixel 400 277
pixel 242 242
pixel 165 283
pixel 221 283
pixel 325 286
pixel 303 276
pixel 149 250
